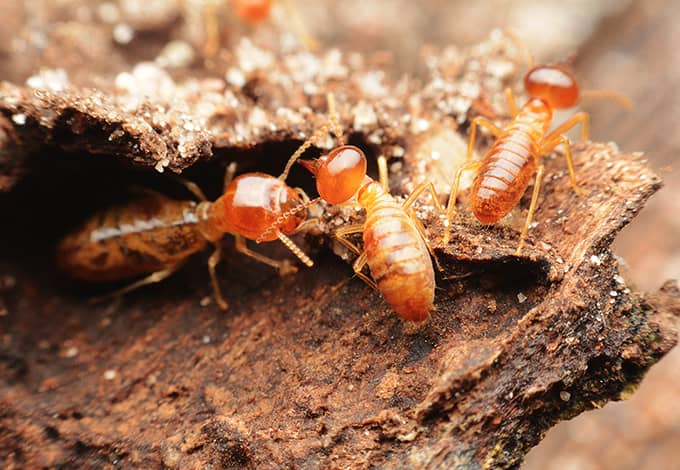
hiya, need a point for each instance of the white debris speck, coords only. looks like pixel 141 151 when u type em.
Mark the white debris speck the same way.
pixel 565 396
pixel 500 68
pixel 235 77
pixel 257 118
pixel 110 374
pixel 160 166
pixel 251 57
pixel 613 293
pixel 176 54
pixel 371 83
pixel 351 387
pixel 71 352
pixel 521 298
pixel 332 66
pixel 146 80
pixel 411 436
pixel 205 301
pixel 123 33
pixel 19 119
pixel 619 279
pixel 364 116
pixel 533 224
pixel 559 260
pixel 479 250
pixel 595 260
pixel 420 125
pixel 50 79
pixel 546 246
pixel 470 89
pixel 435 155
pixel 206 339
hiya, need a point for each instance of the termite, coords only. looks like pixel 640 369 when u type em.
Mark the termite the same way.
pixel 253 12
pixel 396 248
pixel 155 235
pixel 504 173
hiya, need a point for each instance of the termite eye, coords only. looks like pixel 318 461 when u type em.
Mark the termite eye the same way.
pixel 340 174
pixel 553 84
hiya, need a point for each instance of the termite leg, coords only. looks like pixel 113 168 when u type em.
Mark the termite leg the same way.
pixel 532 209
pixel 358 265
pixel 451 205
pixel 298 25
pixel 578 118
pixel 152 278
pixel 191 187
pixel 550 145
pixel 332 124
pixel 284 267
pixel 361 261
pixel 348 230
pixel 307 225
pixel 488 125
pixel 623 100
pixel 212 263
pixel 409 202
pixel 212 39
pixel 421 230
pixel 420 189
pixel 229 173
pixel 383 175
pixel 512 105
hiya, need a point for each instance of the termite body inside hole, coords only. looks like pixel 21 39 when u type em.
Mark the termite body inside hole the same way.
pixel 506 170
pixel 154 235
pixel 395 248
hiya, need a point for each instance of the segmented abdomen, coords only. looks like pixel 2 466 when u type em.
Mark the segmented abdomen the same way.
pixel 141 237
pixel 399 260
pixel 506 171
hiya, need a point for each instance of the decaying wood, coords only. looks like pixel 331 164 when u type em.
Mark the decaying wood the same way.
pixel 314 370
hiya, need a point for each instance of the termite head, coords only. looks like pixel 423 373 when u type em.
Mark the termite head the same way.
pixel 338 174
pixel 254 202
pixel 553 84
pixel 253 11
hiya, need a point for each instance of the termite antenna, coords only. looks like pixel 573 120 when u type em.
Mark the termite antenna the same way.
pixel 282 218
pixel 295 250
pixel 522 45
pixel 334 119
pixel 624 101
pixel 333 125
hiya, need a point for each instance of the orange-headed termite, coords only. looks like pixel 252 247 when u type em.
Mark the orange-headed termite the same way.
pixel 395 245
pixel 154 235
pixel 504 173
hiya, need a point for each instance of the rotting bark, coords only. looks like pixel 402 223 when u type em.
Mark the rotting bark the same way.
pixel 314 370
